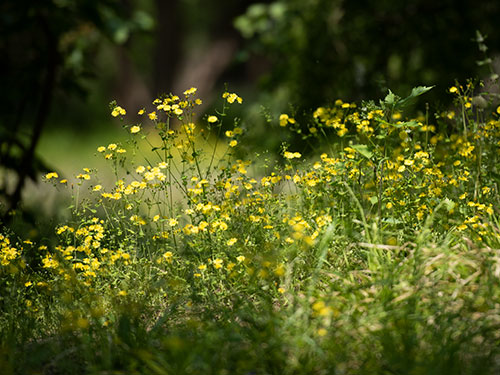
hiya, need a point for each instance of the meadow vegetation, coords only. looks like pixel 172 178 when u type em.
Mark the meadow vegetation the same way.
pixel 379 253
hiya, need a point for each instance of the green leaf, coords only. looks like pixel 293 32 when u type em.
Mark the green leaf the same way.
pixel 363 150
pixel 374 200
pixel 408 124
pixel 416 91
pixel 390 98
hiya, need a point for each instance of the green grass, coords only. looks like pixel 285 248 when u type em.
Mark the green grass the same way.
pixel 379 256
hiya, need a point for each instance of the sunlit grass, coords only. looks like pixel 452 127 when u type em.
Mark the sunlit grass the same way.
pixel 379 255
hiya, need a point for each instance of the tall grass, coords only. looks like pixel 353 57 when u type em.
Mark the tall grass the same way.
pixel 377 255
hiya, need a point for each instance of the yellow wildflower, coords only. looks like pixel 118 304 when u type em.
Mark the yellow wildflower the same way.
pixel 118 111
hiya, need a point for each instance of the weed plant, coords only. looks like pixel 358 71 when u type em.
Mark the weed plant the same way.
pixel 378 255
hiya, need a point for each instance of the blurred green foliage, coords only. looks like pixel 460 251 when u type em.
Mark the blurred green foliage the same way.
pixel 321 50
pixel 47 49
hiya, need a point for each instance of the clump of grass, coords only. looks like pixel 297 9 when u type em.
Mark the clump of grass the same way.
pixel 378 255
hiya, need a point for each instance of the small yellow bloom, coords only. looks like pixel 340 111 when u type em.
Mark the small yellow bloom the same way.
pixel 112 146
pixel 190 91
pixel 453 89
pixel 118 111
pixel 51 175
pixel 122 293
pixel 101 149
pixel 240 258
pixel 233 143
pixel 322 332
pixel 231 242
pixel 498 109
pixel 212 119
pixel 135 129
pixel 292 155
pixel 97 188
pixel 141 112
pixel 153 116
pixel 284 119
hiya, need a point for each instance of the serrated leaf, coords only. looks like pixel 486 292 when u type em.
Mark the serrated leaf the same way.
pixel 416 91
pixel 363 150
pixel 390 98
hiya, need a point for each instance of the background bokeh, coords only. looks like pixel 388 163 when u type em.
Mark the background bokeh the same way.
pixel 63 61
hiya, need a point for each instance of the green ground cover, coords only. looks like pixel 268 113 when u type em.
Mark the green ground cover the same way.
pixel 377 254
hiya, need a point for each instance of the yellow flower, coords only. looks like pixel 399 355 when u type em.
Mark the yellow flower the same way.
pixel 202 267
pixel 322 332
pixel 231 242
pixel 141 112
pixel 284 119
pixel 97 188
pixel 233 143
pixel 135 129
pixel 101 149
pixel 453 89
pixel 112 146
pixel 118 111
pixel 498 109
pixel 152 116
pixel 190 91
pixel 212 119
pixel 122 293
pixel 240 258
pixel 292 155
pixel 218 263
pixel 51 175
